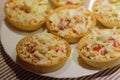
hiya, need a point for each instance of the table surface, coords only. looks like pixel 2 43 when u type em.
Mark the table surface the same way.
pixel 11 71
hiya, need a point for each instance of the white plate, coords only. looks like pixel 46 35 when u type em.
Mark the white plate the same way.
pixel 10 36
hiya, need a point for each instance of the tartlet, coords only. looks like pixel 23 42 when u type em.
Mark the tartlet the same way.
pixel 42 53
pixel 70 22
pixel 107 12
pixel 101 48
pixel 68 2
pixel 27 15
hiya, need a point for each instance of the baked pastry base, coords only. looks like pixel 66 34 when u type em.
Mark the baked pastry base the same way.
pixel 39 68
pixel 70 40
pixel 96 63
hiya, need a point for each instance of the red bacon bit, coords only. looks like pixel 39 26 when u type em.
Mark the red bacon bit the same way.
pixel 115 42
pixel 61 24
pixel 103 52
pixel 56 48
pixel 97 47
pixel 59 49
pixel 86 54
pixel 31 47
pixel 61 28
pixel 68 2
pixel 100 48
pixel 35 58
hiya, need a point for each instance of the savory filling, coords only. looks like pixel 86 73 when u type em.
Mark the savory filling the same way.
pixel 108 9
pixel 63 2
pixel 43 48
pixel 71 22
pixel 27 11
pixel 102 45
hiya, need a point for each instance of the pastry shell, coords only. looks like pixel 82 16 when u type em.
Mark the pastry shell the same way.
pixel 34 25
pixel 99 64
pixel 39 68
pixel 108 23
pixel 70 39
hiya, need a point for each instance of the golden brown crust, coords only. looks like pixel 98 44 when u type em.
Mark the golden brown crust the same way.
pixel 73 39
pixel 109 24
pixel 21 26
pixel 96 63
pixel 57 4
pixel 40 68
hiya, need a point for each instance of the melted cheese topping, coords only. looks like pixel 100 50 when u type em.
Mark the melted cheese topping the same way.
pixel 108 9
pixel 27 11
pixel 43 48
pixel 102 45
pixel 71 22
pixel 63 2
